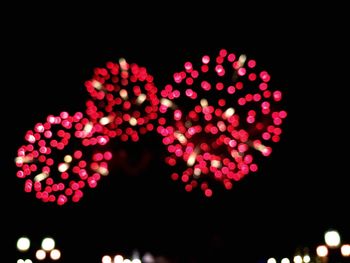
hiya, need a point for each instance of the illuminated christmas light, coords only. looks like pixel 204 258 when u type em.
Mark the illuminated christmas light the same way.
pixel 124 100
pixel 216 116
pixel 61 157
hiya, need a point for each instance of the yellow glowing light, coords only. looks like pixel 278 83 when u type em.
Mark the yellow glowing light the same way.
pixel 228 113
pixel 68 158
pixel 141 98
pixel 285 260
pixel 332 238
pixel 88 127
pixel 63 167
pixel 167 103
pixel 260 147
pixel 298 259
pixel 234 154
pixel 242 59
pixel 123 64
pixel 106 120
pixel 133 121
pixel 307 259
pixel 204 103
pixel 192 159
pixel 180 137
pixel 102 170
pixel 23 244
pixel 123 94
pixel 40 177
pixel 23 159
pixel 215 163
pixel 197 172
pixel 97 85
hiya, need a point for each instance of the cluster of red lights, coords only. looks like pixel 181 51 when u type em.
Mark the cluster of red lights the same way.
pixel 217 112
pixel 124 100
pixel 212 117
pixel 77 163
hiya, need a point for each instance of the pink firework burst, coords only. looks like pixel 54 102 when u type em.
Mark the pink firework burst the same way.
pixel 216 114
pixel 123 100
pixel 61 158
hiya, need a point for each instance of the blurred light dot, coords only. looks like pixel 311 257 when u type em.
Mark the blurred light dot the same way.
pixel 332 238
pixel 285 260
pixel 345 250
pixel 40 254
pixel 306 258
pixel 106 259
pixel 23 244
pixel 322 251
pixel 48 244
pixel 271 260
pixel 298 259
pixel 55 254
pixel 118 259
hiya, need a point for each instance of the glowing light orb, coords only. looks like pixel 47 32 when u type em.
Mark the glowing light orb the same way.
pixel 216 116
pixel 123 100
pixel 61 157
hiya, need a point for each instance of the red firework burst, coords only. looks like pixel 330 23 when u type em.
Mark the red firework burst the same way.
pixel 61 158
pixel 216 114
pixel 124 100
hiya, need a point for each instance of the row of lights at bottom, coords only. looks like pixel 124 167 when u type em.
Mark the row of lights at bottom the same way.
pixel 323 252
pixel 147 258
pixel 47 249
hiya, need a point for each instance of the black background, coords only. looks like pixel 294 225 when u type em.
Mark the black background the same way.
pixel 300 191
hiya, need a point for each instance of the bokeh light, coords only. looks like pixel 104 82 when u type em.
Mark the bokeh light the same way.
pixel 332 238
pixel 124 100
pixel 61 157
pixel 216 116
pixel 23 244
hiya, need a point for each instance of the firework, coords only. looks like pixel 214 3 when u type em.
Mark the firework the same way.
pixel 61 157
pixel 123 100
pixel 215 116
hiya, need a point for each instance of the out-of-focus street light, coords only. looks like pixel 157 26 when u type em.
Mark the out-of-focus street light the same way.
pixel 333 250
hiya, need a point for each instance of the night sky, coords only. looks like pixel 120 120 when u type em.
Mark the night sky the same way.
pixel 299 192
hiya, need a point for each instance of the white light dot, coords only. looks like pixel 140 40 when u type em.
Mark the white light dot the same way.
pixel 48 244
pixel 345 250
pixel 298 259
pixel 306 258
pixel 285 260
pixel 322 251
pixel 271 260
pixel 23 244
pixel 55 254
pixel 332 238
pixel 40 254
pixel 118 259
pixel 106 259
